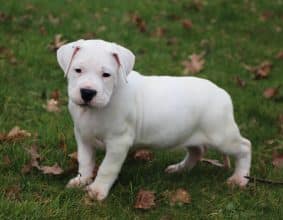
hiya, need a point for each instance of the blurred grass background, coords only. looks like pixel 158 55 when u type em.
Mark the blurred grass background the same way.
pixel 233 33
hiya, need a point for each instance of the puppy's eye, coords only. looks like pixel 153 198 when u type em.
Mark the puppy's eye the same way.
pixel 78 70
pixel 106 74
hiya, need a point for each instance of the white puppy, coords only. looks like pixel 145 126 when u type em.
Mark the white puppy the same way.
pixel 117 108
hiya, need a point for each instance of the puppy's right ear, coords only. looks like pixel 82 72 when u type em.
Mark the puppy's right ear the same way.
pixel 65 55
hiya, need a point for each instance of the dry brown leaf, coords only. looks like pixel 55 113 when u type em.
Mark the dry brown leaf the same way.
pixel 55 94
pixel 194 64
pixel 240 82
pixel 143 154
pixel 13 192
pixel 172 41
pixel 187 24
pixel 53 20
pixel 34 161
pixel 265 15
pixel 159 32
pixel 17 133
pixel 271 92
pixel 6 160
pixel 54 170
pixel 180 196
pixel 57 42
pixel 52 106
pixel 74 156
pixel 213 162
pixel 261 71
pixel 139 22
pixel 279 55
pixel 277 160
pixel 145 200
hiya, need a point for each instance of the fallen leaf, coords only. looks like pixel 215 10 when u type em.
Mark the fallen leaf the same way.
pixel 143 154
pixel 240 82
pixel 265 15
pixel 74 156
pixel 3 16
pixel 16 133
pixel 159 32
pixel 277 160
pixel 271 92
pixel 261 71
pixel 194 64
pixel 55 94
pixel 13 192
pixel 172 41
pixel 145 200
pixel 180 196
pixel 279 55
pixel 197 4
pixel 53 20
pixel 6 160
pixel 139 22
pixel 57 42
pixel 42 30
pixel 187 24
pixel 62 144
pixel 52 106
pixel 54 170
pixel 213 162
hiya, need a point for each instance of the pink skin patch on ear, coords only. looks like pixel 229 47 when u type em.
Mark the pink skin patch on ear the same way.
pixel 77 48
pixel 115 55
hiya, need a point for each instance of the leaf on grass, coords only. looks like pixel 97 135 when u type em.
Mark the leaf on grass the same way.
pixel 74 156
pixel 52 105
pixel 277 160
pixel 240 82
pixel 16 133
pixel 6 160
pixel 54 170
pixel 261 71
pixel 194 64
pixel 279 55
pixel 187 24
pixel 145 200
pixel 13 192
pixel 139 22
pixel 271 92
pixel 143 154
pixel 57 42
pixel 172 41
pixel 53 20
pixel 159 32
pixel 180 196
pixel 55 94
pixel 34 161
pixel 213 162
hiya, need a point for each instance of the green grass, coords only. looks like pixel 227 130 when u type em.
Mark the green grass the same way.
pixel 235 36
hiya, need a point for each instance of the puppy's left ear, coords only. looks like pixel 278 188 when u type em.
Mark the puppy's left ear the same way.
pixel 124 58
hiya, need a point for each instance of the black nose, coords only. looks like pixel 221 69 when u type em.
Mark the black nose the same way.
pixel 87 94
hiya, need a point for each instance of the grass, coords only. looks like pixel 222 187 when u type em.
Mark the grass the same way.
pixel 231 32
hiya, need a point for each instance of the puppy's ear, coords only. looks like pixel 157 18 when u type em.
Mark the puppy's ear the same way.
pixel 65 54
pixel 124 57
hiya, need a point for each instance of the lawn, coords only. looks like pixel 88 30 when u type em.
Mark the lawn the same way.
pixel 234 34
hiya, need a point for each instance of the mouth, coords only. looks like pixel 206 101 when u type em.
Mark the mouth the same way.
pixel 83 105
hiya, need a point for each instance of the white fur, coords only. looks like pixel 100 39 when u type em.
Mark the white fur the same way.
pixel 159 111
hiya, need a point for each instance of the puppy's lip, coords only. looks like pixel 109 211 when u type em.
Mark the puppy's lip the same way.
pixel 84 105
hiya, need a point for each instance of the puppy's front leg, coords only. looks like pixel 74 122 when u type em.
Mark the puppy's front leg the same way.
pixel 86 163
pixel 116 152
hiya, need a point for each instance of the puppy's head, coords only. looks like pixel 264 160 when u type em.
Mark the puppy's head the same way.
pixel 94 69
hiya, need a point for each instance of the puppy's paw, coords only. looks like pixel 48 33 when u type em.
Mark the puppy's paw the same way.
pixel 97 192
pixel 174 168
pixel 79 181
pixel 237 180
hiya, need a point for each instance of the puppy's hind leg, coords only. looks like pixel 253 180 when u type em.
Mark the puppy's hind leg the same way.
pixel 194 154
